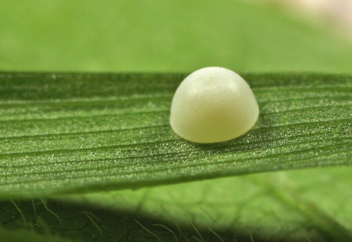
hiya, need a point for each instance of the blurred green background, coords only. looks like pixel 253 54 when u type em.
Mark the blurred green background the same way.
pixel 163 36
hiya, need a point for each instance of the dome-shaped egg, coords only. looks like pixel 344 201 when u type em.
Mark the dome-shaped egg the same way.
pixel 213 104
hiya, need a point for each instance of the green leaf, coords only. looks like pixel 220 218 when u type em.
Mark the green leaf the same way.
pixel 22 235
pixel 298 205
pixel 69 133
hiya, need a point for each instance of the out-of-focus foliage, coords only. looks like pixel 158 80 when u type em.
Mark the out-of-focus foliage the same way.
pixel 167 36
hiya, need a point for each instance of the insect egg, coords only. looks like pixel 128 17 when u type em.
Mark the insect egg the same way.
pixel 213 104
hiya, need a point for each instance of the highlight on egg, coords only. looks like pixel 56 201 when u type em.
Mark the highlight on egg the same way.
pixel 213 104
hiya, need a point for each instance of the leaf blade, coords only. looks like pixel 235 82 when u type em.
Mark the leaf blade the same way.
pixel 69 133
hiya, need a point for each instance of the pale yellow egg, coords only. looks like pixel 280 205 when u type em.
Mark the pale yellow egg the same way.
pixel 213 104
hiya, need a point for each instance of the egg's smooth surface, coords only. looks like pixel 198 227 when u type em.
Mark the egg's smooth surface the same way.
pixel 213 104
